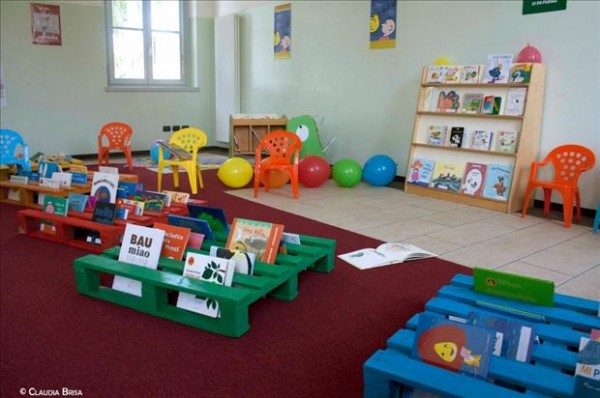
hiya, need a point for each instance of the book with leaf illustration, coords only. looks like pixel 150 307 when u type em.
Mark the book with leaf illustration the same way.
pixel 209 269
pixel 257 237
pixel 385 254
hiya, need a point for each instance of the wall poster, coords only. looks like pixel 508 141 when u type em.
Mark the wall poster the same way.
pixel 283 31
pixel 45 24
pixel 382 25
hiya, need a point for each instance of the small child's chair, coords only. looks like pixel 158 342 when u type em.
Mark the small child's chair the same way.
pixel 191 140
pixel 569 162
pixel 114 136
pixel 13 149
pixel 284 151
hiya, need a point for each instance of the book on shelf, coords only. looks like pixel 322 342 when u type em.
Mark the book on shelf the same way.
pixel 420 172
pixel 175 150
pixel 13 194
pixel 45 169
pixel 436 135
pixel 448 101
pixel 18 179
pixel 447 176
pixel 498 181
pixel 487 107
pixel 452 74
pixel 104 187
pixel 455 346
pixel 520 73
pixel 108 170
pixel 209 269
pixel 481 140
pixel 53 205
pixel 178 197
pixel 126 189
pixel 104 213
pixel 194 224
pixel 587 369
pixel 175 240
pixel 385 254
pixel 244 261
pixel 288 238
pixel 455 139
pixel 497 105
pixel 257 237
pixel 512 286
pixel 91 203
pixel 153 201
pixel 195 241
pixel 472 103
pixel 506 141
pixel 78 169
pixel 215 216
pixel 49 183
pixel 141 246
pixel 77 201
pixel 470 73
pixel 515 101
pixel 135 205
pixel 64 179
pixel 435 73
pixel 498 68
pixel 79 178
pixel 474 179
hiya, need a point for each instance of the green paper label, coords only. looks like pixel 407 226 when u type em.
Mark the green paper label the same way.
pixel 538 6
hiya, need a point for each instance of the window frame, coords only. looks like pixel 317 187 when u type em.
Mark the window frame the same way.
pixel 147 83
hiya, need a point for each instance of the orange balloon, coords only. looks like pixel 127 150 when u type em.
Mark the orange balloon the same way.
pixel 277 177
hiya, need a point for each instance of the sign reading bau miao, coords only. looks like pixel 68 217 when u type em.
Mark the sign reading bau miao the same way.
pixel 537 6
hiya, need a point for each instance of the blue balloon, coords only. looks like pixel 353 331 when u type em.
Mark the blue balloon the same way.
pixel 154 152
pixel 379 170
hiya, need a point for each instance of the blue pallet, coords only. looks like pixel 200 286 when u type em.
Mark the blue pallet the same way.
pixel 393 373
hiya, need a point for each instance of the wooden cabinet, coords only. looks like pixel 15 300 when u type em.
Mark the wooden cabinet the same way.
pixel 246 132
pixel 526 125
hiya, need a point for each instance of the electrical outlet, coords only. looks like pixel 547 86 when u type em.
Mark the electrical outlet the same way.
pixel 185 126
pixel 166 129
pixel 176 128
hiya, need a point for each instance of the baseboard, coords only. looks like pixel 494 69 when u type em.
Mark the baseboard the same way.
pixel 558 207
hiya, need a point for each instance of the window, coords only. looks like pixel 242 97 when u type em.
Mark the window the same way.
pixel 145 43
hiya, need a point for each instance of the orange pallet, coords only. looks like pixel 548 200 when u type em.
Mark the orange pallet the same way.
pixel 29 192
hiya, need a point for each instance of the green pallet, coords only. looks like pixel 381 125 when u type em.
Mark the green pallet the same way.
pixel 279 281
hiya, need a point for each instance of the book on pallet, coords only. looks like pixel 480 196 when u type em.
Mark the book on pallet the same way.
pixel 53 205
pixel 215 216
pixel 587 369
pixel 177 197
pixel 77 201
pixel 385 254
pixel 141 246
pixel 209 269
pixel 244 261
pixel 512 286
pixel 104 187
pixel 175 241
pixel 195 225
pixel 259 237
pixel 103 213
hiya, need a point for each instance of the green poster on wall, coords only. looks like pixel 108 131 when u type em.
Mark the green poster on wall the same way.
pixel 537 6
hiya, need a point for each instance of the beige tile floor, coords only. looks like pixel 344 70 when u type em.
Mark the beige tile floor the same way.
pixel 465 235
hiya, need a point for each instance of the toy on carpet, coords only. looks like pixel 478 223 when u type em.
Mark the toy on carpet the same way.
pixel 235 172
pixel 277 177
pixel 346 173
pixel 313 171
pixel 379 170
pixel 306 128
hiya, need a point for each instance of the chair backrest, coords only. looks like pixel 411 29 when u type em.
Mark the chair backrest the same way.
pixel 281 145
pixel 13 148
pixel 115 135
pixel 191 139
pixel 569 162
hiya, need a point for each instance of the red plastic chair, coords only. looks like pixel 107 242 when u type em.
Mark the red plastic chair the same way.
pixel 284 151
pixel 569 162
pixel 115 136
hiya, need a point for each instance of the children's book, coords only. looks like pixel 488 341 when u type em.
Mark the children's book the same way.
pixel 515 101
pixel 436 135
pixel 520 73
pixel 108 170
pixel 448 101
pixel 215 216
pixel 77 201
pixel 498 68
pixel 175 151
pixel 420 172
pixel 513 286
pixel 17 179
pixel 45 169
pixel 209 269
pixel 385 254
pixel 474 179
pixel 141 246
pixel 244 261
pixel 481 139
pixel 64 179
pixel 498 181
pixel 448 176
pixel 257 237
pixel 195 241
pixel 91 203
pixel 178 197
pixel 135 205
pixel 452 74
pixel 194 224
pixel 497 105
pixel 79 178
pixel 455 346
pixel 472 103
pixel 53 205
pixel 506 141
pixel 14 194
pixel 487 107
pixel 104 213
pixel 456 137
pixel 175 240
pixel 587 369
pixel 436 73
pixel 104 187
pixel 470 74
pixel 78 168
pixel 49 183
pixel 153 201
pixel 126 189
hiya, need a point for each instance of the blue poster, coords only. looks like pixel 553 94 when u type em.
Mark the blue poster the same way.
pixel 382 25
pixel 283 31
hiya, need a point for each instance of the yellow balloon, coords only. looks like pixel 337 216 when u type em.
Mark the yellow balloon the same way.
pixel 235 172
pixel 442 61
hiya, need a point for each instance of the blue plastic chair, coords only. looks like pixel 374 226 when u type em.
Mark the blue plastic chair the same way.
pixel 597 219
pixel 13 149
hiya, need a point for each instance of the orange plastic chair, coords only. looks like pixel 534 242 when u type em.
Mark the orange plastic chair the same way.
pixel 190 140
pixel 114 136
pixel 569 162
pixel 284 152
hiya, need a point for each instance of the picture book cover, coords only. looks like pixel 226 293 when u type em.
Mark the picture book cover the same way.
pixel 470 74
pixel 77 201
pixel 481 139
pixel 79 178
pixel 209 269
pixel 454 346
pixel 78 169
pixel 587 369
pixel 448 176
pixel 456 137
pixel 452 74
pixel 436 135
pixel 195 241
pixel 420 172
pixel 64 179
pixel 141 246
pixel 515 101
pixel 136 205
pixel 18 179
pixel 487 107
pixel 175 240
pixel 153 201
pixel 257 237
pixel 435 73
pixel 108 169
pixel 385 254
pixel 448 101
pixel 53 205
pixel 506 141
pixel 516 287
pixel 126 189
pixel 104 187
pixel 497 105
pixel 512 340
pixel 194 224
pixel 498 181
pixel 520 73
pixel 45 169
pixel 178 197
pixel 498 68
pixel 215 216
pixel 472 103
pixel 91 203
pixel 474 179
pixel 244 261
pixel 104 213
pixel 49 183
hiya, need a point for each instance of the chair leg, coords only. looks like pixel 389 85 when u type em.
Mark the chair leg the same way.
pixel 191 171
pixel 578 206
pixel 547 198
pixel 568 207
pixel 159 173
pixel 526 200
pixel 256 181
pixel 199 172
pixel 129 160
pixel 295 190
pixel 175 170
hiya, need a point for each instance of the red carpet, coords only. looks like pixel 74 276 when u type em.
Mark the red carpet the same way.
pixel 315 346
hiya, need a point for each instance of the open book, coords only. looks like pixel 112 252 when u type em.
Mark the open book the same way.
pixel 385 254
